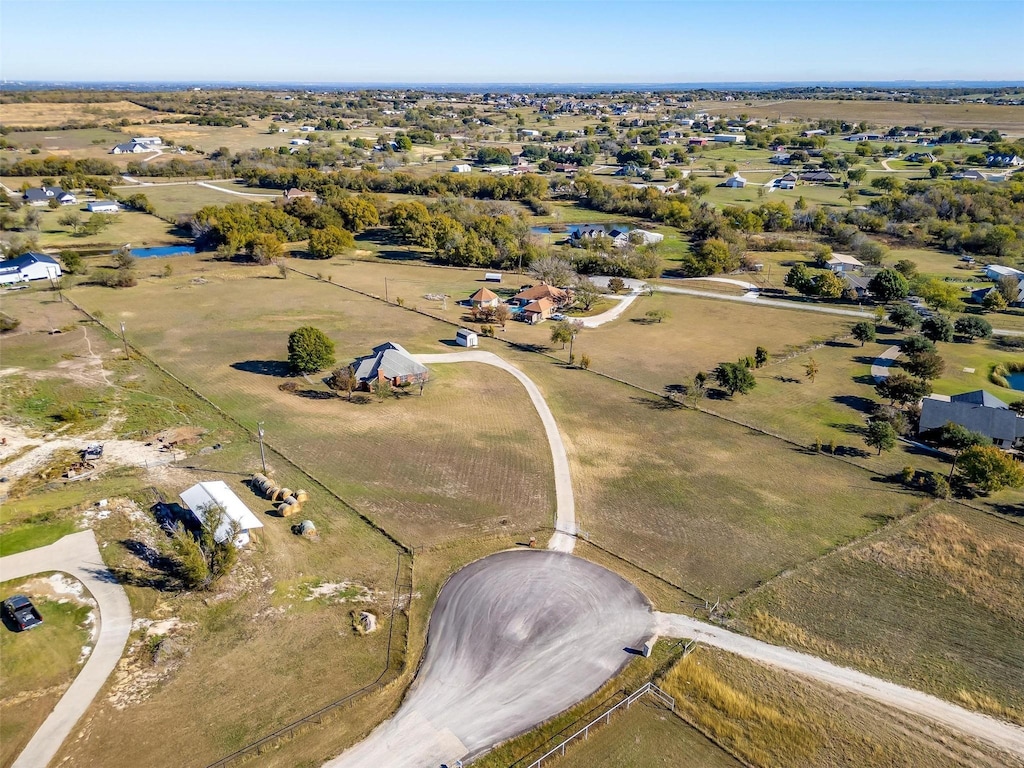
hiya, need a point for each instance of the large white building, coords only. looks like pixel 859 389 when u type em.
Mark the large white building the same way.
pixel 29 266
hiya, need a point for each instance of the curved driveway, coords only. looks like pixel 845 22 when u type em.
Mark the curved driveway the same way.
pixel 996 732
pixel 76 555
pixel 515 638
pixel 563 539
pixel 880 368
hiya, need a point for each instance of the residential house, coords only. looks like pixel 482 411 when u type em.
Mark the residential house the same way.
pixel 813 132
pixel 978 411
pixel 43 196
pixel 484 297
pixel 781 158
pixel 389 362
pixel 216 493
pixel 295 194
pixel 130 148
pixel 529 133
pixel 864 137
pixel 920 157
pixel 462 168
pixel 735 181
pixel 697 141
pixel 840 263
pixel 558 297
pixel 819 177
pixel 537 311
pixel 996 271
pixel 28 266
pixel 102 206
pixel 1004 161
pixel 583 235
pixel 857 285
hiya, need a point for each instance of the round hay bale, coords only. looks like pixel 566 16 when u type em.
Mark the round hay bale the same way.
pixel 287 510
pixel 259 478
pixel 306 528
pixel 290 500
pixel 283 493
pixel 302 496
pixel 275 493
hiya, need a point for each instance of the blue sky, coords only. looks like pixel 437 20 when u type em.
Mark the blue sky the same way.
pixel 511 41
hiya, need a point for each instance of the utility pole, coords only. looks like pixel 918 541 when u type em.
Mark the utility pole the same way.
pixel 263 456
pixel 124 341
pixel 385 289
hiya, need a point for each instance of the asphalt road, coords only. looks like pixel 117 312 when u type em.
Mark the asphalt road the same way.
pixel 515 638
pixel 996 732
pixel 76 555
pixel 564 539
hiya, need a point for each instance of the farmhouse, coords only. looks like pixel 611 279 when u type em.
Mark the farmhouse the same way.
pixel 697 141
pixel 294 194
pixel 1004 161
pixel 557 296
pixel 43 196
pixel 130 148
pixel 978 411
pixel 857 285
pixel 215 493
pixel 537 311
pixel 841 262
pixel 29 266
pixel 466 338
pixel 736 181
pixel 102 206
pixel 818 177
pixel 389 362
pixel 484 297
pixel 585 234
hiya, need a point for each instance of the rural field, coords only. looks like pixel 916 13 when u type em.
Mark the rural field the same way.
pixel 31 114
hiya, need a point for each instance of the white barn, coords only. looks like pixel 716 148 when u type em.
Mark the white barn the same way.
pixel 202 496
pixel 466 338
pixel 29 266
pixel 736 181
pixel 103 206
pixel 461 168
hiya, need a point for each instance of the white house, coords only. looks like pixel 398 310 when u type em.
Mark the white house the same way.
pixel 132 148
pixel 841 262
pixel 996 271
pixel 28 266
pixel 466 338
pixel 202 496
pixel 736 181
pixel 462 168
pixel 43 196
pixel 102 206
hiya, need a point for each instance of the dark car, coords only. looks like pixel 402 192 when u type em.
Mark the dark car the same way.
pixel 21 613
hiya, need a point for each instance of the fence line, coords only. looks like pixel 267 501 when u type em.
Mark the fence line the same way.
pixel 584 732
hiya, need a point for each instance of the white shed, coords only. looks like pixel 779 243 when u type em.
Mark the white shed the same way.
pixel 466 338
pixel 103 206
pixel 461 168
pixel 201 496
pixel 736 181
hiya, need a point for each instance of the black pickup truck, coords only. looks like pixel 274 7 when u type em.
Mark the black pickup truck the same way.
pixel 20 612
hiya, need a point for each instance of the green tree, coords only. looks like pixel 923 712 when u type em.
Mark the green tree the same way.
pixel 924 365
pixel 889 285
pixel 96 224
pixel 562 332
pixel 735 377
pixel 990 469
pixel 881 435
pixel 760 357
pixel 916 344
pixel 656 315
pixel 72 262
pixel 266 248
pixel 907 268
pixel 585 293
pixel 937 328
pixel 829 285
pixel 404 142
pixel 329 242
pixel 900 389
pixel 972 327
pixel 939 295
pixel 958 439
pixel 863 332
pixel 903 316
pixel 31 218
pixel 383 389
pixel 857 174
pixel 70 219
pixel 616 285
pixel 309 350
pixel 211 553
pixel 811 369
pixel 994 301
pixel 709 258
pixel 1009 287
pixel 798 278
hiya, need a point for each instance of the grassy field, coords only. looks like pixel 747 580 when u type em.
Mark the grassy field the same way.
pixel 77 143
pixel 935 604
pixel 139 229
pixel 465 455
pixel 37 666
pixel 184 199
pixel 58 113
pixel 772 718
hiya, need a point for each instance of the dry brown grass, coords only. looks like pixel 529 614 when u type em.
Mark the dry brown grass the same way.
pixel 67 113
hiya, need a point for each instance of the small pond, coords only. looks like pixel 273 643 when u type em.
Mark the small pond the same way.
pixel 163 250
pixel 1016 380
pixel 570 228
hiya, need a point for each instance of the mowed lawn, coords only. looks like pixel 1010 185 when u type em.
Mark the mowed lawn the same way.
pixel 183 199
pixel 139 229
pixel 708 504
pixel 936 605
pixel 467 457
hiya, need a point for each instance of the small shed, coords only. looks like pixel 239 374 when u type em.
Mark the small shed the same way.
pixel 736 181
pixel 484 297
pixel 492 277
pixel 466 338
pixel 462 168
pixel 202 496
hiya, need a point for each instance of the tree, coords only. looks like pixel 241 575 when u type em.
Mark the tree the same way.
pixel 266 248
pixel 903 316
pixel 924 365
pixel 798 278
pixel 710 257
pixel 1009 287
pixel 329 242
pixel 656 315
pixel 343 380
pixel 900 389
pixel 211 553
pixel 699 388
pixel 990 469
pixel 958 439
pixel 32 218
pixel 863 332
pixel 994 301
pixel 383 389
pixel 889 285
pixel 70 219
pixel 972 327
pixel 937 328
pixel 829 285
pixel 939 295
pixel 856 175
pixel 935 170
pixel 616 285
pixel 96 224
pixel 72 262
pixel 735 377
pixel 562 332
pixel 907 268
pixel 916 344
pixel 553 270
pixel 881 435
pixel 309 350
pixel 811 369
pixel 760 357
pixel 585 293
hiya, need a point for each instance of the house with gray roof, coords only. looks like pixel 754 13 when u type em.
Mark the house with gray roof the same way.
pixel 389 362
pixel 978 411
pixel 43 196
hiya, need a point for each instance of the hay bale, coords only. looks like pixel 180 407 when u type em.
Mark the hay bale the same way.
pixel 283 493
pixel 306 528
pixel 291 500
pixel 302 496
pixel 287 510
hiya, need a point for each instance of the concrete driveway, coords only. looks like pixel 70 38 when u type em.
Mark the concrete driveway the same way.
pixel 564 539
pixel 515 638
pixel 76 555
